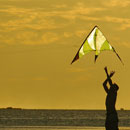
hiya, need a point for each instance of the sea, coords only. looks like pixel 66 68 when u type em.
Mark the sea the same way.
pixel 34 119
pixel 59 128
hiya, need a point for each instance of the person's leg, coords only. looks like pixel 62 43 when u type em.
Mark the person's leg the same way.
pixel 115 125
pixel 108 125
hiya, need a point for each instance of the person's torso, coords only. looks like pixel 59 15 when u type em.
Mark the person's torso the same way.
pixel 111 101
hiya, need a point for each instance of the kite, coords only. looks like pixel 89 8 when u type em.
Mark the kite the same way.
pixel 95 41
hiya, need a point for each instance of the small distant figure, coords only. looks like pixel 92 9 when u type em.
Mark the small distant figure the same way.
pixel 111 115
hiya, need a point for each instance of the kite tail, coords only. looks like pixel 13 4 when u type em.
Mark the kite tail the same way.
pixel 96 56
pixel 118 56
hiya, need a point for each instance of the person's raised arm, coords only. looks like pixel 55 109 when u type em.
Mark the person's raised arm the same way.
pixel 109 76
pixel 106 71
pixel 105 86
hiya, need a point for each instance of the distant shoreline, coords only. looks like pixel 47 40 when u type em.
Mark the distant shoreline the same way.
pixel 47 108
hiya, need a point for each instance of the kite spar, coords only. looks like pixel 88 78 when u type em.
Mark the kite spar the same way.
pixel 95 41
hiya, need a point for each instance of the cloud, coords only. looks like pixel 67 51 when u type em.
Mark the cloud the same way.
pixel 28 19
pixel 91 18
pixel 23 18
pixel 83 78
pixel 32 38
pixel 117 3
pixel 79 33
pixel 24 24
pixel 124 22
pixel 43 19
pixel 28 79
pixel 5 39
pixel 15 10
pixel 29 38
pixel 35 20
pixel 77 12
pixel 114 19
pixel 67 34
pixel 77 69
pixel 49 37
pixel 125 26
pixel 125 44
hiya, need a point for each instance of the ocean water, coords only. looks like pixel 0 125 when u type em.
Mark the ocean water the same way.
pixel 22 119
pixel 59 128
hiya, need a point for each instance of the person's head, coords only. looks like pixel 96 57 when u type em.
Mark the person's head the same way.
pixel 115 87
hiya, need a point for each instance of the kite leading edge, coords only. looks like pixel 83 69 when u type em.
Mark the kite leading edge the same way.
pixel 95 41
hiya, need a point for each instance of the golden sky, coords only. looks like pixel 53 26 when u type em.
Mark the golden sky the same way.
pixel 38 40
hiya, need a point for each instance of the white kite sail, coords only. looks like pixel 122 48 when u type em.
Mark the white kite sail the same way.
pixel 95 41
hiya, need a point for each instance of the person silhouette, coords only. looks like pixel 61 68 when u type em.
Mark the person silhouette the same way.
pixel 111 122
